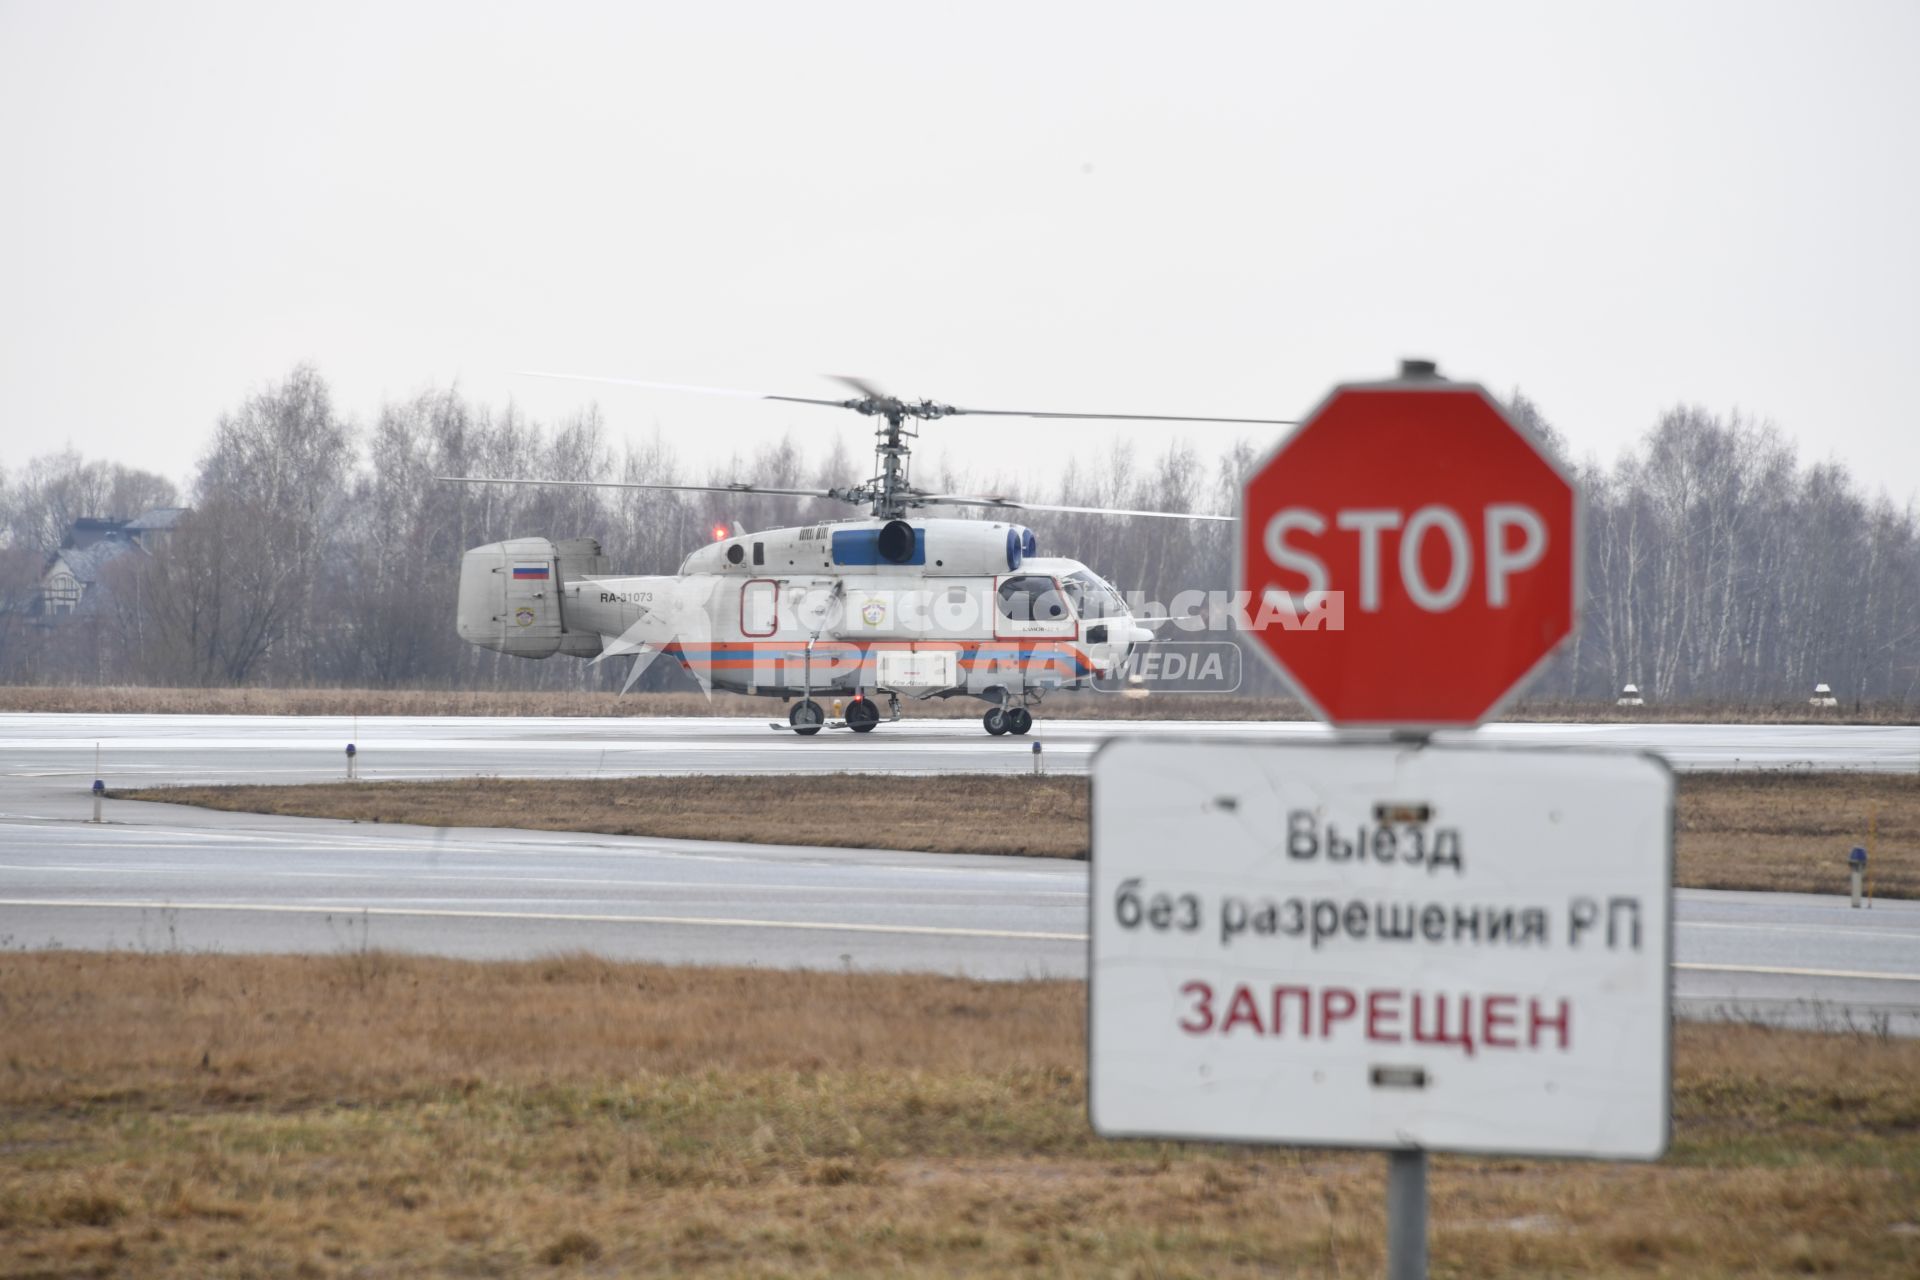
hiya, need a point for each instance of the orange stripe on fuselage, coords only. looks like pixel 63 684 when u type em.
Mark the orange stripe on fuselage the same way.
pixel 745 654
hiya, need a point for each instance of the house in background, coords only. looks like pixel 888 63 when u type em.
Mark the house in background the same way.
pixel 93 543
pixel 90 531
pixel 150 531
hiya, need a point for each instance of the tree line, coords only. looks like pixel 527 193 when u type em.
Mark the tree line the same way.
pixel 323 552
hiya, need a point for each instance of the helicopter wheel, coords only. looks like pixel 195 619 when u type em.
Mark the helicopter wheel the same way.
pixel 862 715
pixel 995 721
pixel 806 718
pixel 1019 720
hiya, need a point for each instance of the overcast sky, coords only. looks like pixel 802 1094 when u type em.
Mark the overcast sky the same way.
pixel 1210 209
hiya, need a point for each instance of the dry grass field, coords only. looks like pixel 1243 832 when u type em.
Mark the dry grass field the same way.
pixel 1780 831
pixel 134 700
pixel 1792 831
pixel 373 1115
pixel 953 813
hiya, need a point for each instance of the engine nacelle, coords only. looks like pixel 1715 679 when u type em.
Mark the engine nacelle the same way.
pixel 513 596
pixel 930 547
pixel 976 546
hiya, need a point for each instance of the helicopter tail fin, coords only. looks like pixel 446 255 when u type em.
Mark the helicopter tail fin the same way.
pixel 513 596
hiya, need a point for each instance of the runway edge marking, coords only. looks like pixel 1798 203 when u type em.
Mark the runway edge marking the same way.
pixel 809 925
pixel 1799 973
pixel 922 930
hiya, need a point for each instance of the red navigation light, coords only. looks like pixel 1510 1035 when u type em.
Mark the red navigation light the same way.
pixel 719 533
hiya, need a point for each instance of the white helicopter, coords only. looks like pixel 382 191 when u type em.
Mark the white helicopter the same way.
pixel 897 603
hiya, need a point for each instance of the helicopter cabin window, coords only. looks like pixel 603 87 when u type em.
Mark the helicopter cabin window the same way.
pixel 1092 598
pixel 1031 598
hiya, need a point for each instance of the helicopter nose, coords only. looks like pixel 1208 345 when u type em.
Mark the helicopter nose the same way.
pixel 1118 638
pixel 1126 633
pixel 1129 635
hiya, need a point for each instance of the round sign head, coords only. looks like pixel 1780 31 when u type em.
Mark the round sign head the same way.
pixel 1411 556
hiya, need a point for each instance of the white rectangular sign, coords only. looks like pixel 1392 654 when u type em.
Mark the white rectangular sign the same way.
pixel 1454 949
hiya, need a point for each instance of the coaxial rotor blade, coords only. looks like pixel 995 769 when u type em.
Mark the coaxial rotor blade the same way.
pixel 861 385
pixel 1124 417
pixel 635 484
pixel 683 386
pixel 1010 504
pixel 870 392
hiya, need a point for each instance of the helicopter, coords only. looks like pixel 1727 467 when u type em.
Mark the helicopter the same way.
pixel 896 603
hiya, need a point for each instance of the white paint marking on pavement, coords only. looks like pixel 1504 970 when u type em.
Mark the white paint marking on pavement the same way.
pixel 465 877
pixel 925 930
pixel 1799 973
pixel 1819 930
pixel 334 833
pixel 814 925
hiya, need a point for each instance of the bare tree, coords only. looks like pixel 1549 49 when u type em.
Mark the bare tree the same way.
pixel 56 489
pixel 1717 564
pixel 19 604
pixel 237 576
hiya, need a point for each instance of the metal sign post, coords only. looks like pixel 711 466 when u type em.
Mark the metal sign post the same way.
pixel 1407 1215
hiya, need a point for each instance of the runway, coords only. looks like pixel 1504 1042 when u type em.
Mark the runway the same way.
pixel 140 750
pixel 161 877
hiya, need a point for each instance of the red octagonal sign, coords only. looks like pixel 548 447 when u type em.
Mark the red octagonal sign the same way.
pixel 1410 554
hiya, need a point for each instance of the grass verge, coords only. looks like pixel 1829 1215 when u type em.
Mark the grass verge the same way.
pixel 1767 831
pixel 948 813
pixel 1792 831
pixel 375 1115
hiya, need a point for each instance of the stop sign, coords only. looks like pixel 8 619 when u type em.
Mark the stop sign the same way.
pixel 1411 555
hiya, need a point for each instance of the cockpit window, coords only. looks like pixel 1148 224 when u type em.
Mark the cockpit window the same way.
pixel 1093 598
pixel 1031 598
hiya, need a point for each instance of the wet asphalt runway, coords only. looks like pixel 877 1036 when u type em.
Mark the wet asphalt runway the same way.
pixel 140 749
pixel 159 877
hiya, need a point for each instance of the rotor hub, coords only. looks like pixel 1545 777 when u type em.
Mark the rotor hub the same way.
pixel 893 408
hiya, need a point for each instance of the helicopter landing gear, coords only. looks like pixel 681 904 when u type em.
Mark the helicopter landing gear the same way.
pixel 806 717
pixel 862 715
pixel 1006 716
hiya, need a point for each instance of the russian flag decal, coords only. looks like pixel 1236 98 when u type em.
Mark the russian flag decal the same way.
pixel 530 573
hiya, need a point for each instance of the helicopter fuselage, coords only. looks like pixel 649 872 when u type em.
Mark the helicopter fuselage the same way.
pixel 922 608
pixel 898 603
